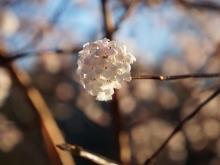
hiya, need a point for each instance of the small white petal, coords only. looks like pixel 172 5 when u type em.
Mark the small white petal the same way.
pixel 127 76
pixel 93 55
pixel 100 52
pixel 87 60
pixel 105 40
pixel 82 83
pixel 92 50
pixel 128 59
pixel 85 69
pixel 103 97
pixel 99 69
pixel 119 57
pixel 86 45
pixel 113 44
pixel 91 75
pixel 132 58
pixel 107 73
pixel 94 62
pixel 120 71
pixel 116 85
pixel 119 78
pixel 111 52
pixel 126 66
pixel 101 62
pixel 123 48
pixel 109 91
pixel 84 53
pixel 79 62
pixel 78 71
pixel 118 65
pixel 99 43
pixel 111 67
pixel 95 91
pixel 119 50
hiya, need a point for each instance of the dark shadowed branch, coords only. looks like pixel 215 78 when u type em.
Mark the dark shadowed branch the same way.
pixel 81 152
pixel 50 131
pixel 179 127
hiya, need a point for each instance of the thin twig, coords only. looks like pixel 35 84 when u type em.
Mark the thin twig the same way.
pixel 80 152
pixel 212 56
pixel 176 77
pixel 179 127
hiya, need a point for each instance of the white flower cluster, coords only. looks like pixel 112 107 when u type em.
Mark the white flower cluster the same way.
pixel 102 66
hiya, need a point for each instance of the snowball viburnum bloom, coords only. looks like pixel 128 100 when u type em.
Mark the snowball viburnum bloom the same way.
pixel 102 66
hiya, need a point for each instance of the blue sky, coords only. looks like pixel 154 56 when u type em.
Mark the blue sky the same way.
pixel 149 32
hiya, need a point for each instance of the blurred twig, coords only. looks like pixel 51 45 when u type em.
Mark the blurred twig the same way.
pixel 36 36
pixel 51 133
pixel 51 21
pixel 129 9
pixel 5 60
pixel 125 3
pixel 202 4
pixel 215 54
pixel 80 152
pixel 176 77
pixel 179 127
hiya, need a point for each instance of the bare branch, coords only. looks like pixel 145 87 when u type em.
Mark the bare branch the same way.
pixel 179 127
pixel 176 77
pixel 80 152
pixel 109 26
pixel 115 112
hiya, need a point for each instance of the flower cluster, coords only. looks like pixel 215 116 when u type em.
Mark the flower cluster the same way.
pixel 102 66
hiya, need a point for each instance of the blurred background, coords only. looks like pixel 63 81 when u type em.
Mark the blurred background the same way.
pixel 167 37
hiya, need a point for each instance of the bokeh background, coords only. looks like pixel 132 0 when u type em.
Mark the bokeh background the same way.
pixel 167 37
